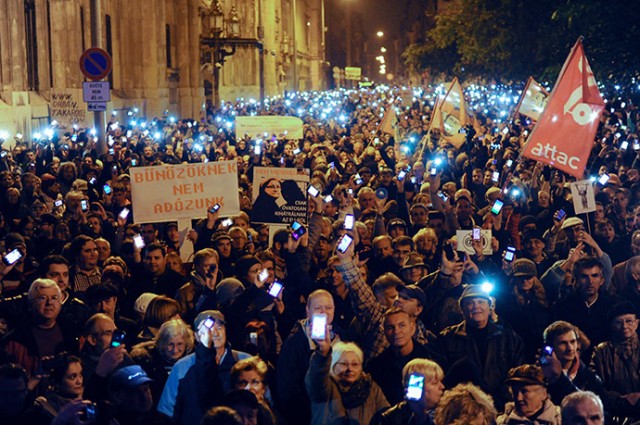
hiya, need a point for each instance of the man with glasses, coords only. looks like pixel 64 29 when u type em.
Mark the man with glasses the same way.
pixel 43 334
pixel 622 383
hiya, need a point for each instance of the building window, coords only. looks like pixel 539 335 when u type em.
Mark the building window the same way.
pixel 32 45
pixel 167 31
pixel 109 45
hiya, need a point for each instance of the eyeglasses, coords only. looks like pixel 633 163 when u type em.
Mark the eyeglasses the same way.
pixel 43 299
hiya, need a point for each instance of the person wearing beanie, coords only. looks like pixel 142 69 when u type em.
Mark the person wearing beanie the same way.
pixel 496 348
pixel 526 306
pixel 200 379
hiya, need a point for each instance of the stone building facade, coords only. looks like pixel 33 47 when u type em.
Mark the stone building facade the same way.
pixel 155 47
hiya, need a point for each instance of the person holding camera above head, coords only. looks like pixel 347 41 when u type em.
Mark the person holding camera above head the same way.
pixel 422 384
pixel 200 379
pixel 338 388
pixel 293 361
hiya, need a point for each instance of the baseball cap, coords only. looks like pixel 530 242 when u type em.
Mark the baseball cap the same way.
pixel 527 374
pixel 412 291
pixel 128 377
pixel 216 314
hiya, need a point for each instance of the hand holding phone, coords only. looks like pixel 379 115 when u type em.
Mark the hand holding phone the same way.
pixel 12 257
pixel 344 244
pixel 275 289
pixel 415 387
pixel 547 352
pixel 319 327
pixel 297 230
pixel 349 222
pixel 118 338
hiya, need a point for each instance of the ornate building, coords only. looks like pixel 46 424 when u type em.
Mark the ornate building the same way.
pixel 159 62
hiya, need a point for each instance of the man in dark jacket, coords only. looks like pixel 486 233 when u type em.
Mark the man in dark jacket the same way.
pixel 479 350
pixel 155 276
pixel 294 361
pixel 386 368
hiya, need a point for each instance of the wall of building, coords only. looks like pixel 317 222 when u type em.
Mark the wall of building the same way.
pixel 155 48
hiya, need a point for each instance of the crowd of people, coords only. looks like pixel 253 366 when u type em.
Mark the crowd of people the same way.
pixel 434 306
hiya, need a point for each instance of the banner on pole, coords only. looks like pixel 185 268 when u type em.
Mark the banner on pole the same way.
pixel 563 138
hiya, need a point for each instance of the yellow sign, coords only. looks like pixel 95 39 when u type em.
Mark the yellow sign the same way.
pixel 256 127
pixel 353 73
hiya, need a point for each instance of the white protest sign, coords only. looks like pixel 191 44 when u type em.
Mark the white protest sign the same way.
pixel 584 200
pixel 279 195
pixel 256 127
pixel 464 239
pixel 68 108
pixel 185 191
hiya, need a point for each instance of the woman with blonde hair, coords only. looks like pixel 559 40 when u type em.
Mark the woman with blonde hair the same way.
pixel 465 404
pixel 338 388
pixel 173 341
pixel 413 410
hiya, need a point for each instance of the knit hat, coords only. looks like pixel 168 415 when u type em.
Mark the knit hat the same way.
pixel 524 267
pixel 243 265
pixel 142 302
pixel 228 290
pixel 474 291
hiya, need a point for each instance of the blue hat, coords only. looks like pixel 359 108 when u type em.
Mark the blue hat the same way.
pixel 129 377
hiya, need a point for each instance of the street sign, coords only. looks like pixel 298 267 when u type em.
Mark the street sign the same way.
pixel 97 106
pixel 352 73
pixel 95 63
pixel 97 91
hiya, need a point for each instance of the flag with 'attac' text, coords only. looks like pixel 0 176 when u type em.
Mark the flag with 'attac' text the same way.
pixel 564 135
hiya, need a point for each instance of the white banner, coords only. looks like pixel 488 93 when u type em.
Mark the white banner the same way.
pixel 256 127
pixel 185 191
pixel 279 195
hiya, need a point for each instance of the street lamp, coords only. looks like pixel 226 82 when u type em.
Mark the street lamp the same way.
pixel 215 47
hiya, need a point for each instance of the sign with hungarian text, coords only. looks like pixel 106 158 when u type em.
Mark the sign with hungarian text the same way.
pixel 262 127
pixel 563 138
pixel 185 191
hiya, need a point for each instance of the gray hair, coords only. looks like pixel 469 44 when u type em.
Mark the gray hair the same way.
pixel 39 284
pixel 570 402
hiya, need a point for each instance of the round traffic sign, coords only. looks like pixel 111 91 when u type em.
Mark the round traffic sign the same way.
pixel 95 63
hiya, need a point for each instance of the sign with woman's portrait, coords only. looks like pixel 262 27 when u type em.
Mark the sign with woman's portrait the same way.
pixel 279 195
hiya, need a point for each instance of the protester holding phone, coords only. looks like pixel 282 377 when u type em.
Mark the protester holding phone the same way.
pixel 206 372
pixel 337 386
pixel 422 379
pixel 200 290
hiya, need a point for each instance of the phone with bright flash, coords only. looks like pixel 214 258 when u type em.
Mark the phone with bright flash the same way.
pixel 319 326
pixel 349 221
pixel 297 230
pixel 415 387
pixel 275 289
pixel 344 244
pixel 313 191
pixel 12 257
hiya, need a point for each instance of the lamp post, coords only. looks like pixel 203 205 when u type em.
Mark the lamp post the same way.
pixel 216 44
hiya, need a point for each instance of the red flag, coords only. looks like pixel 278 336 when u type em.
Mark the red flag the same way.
pixel 563 138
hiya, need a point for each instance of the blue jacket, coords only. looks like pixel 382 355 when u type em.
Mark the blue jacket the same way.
pixel 196 382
